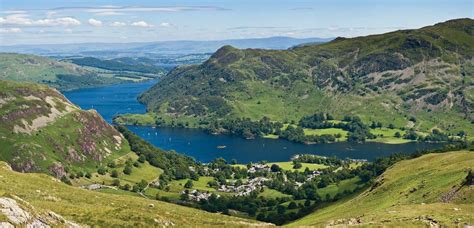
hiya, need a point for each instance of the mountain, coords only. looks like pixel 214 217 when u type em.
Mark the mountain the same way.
pixel 427 191
pixel 119 64
pixel 66 75
pixel 42 131
pixel 392 78
pixel 39 200
pixel 146 49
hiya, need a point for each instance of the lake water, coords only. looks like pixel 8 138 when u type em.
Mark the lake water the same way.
pixel 122 98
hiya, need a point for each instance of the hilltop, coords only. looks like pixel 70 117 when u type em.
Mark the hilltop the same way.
pixel 42 131
pixel 427 191
pixel 425 73
pixel 42 200
pixel 65 75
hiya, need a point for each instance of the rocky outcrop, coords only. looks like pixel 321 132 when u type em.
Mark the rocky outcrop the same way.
pixel 19 215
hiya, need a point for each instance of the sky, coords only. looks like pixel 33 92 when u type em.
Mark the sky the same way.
pixel 120 21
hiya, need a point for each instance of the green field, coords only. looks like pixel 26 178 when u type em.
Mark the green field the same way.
pixel 96 209
pixel 176 187
pixel 333 189
pixel 271 193
pixel 289 166
pixel 410 193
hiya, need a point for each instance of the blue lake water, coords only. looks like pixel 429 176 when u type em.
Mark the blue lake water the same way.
pixel 122 98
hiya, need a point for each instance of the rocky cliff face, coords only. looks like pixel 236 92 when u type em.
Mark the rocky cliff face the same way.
pixel 40 130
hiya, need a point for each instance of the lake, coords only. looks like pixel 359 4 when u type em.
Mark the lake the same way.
pixel 122 98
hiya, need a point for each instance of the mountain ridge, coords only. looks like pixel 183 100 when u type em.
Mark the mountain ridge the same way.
pixel 402 74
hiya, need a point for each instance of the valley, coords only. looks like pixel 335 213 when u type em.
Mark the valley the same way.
pixel 373 130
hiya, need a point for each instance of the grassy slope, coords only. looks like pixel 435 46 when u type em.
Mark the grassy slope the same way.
pixel 145 172
pixel 79 139
pixel 31 68
pixel 105 210
pixel 409 193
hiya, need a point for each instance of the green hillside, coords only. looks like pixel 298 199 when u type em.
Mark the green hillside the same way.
pixel 41 131
pixel 40 199
pixel 64 75
pixel 425 73
pixel 426 191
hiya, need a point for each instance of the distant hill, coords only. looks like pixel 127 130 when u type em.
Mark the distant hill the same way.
pixel 426 73
pixel 183 47
pixel 119 64
pixel 27 199
pixel 427 191
pixel 66 75
pixel 41 131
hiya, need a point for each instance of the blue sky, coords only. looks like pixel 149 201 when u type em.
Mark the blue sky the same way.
pixel 79 21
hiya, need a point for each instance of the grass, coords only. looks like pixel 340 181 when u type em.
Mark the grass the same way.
pixel 177 186
pixel 408 194
pixel 145 172
pixel 387 135
pixel 333 189
pixel 98 209
pixel 271 193
pixel 289 166
pixel 201 184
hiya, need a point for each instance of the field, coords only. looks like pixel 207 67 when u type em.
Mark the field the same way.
pixel 177 187
pixel 97 209
pixel 333 189
pixel 414 192
pixel 271 193
pixel 289 166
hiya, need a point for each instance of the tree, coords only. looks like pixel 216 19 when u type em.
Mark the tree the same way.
pixel 189 184
pixel 114 174
pixel 127 170
pixel 142 159
pixel 126 187
pixel 116 182
pixel 281 209
pixel 112 164
pixel 275 168
pixel 297 165
pixel 398 135
pixel 292 205
pixel 102 170
pixel 469 178
pixel 233 161
pixel 261 217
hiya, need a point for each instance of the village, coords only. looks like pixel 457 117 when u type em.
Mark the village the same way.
pixel 257 183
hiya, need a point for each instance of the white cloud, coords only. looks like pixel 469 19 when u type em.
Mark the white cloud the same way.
pixel 50 14
pixel 24 20
pixel 95 22
pixel 142 24
pixel 10 30
pixel 165 24
pixel 62 21
pixel 117 24
pixel 14 12
pixel 126 9
pixel 109 13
